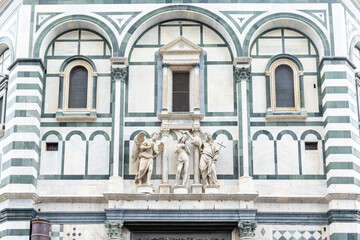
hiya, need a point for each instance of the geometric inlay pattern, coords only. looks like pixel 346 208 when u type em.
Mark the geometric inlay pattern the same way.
pixel 296 235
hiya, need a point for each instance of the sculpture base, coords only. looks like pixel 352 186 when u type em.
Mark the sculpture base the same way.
pixel 212 189
pixel 247 238
pixel 180 189
pixel 164 188
pixel 144 188
pixel 196 188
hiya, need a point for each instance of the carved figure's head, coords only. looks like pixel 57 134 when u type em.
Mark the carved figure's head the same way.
pixel 154 136
pixel 208 137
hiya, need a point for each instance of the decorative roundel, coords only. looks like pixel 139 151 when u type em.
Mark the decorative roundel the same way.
pixel 181 45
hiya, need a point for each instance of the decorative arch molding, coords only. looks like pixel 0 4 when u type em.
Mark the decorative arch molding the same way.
pixel 221 131
pixel 52 132
pixel 99 132
pixel 286 56
pixel 355 41
pixel 5 42
pixel 178 12
pixel 264 132
pixel 132 136
pixel 284 132
pixel 66 23
pixel 307 132
pixel 77 57
pixel 294 21
pixel 76 132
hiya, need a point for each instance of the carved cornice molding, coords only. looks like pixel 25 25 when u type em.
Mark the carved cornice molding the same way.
pixel 119 74
pixel 242 74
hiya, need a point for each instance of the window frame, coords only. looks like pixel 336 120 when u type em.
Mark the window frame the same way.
pixel 296 81
pixel 66 75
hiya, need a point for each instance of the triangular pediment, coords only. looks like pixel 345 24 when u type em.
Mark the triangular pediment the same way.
pixel 179 46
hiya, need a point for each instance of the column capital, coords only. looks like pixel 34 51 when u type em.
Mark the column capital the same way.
pixel 165 65
pixel 114 229
pixel 247 229
pixel 196 65
pixel 119 74
pixel 242 73
pixel 357 76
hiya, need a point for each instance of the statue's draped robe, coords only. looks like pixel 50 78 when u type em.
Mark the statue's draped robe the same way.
pixel 207 166
pixel 148 150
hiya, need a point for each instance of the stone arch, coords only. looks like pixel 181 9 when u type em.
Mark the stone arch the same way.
pixel 132 136
pixel 303 136
pixel 6 43
pixel 63 24
pixel 260 132
pixel 52 132
pixel 178 12
pixel 76 132
pixel 77 57
pixel 355 42
pixel 99 132
pixel 289 132
pixel 222 131
pixel 293 21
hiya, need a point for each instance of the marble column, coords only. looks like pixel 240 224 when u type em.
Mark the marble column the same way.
pixel 196 88
pixel 165 107
pixel 114 229
pixel 196 186
pixel 165 186
pixel 247 230
pixel 118 78
pixel 242 72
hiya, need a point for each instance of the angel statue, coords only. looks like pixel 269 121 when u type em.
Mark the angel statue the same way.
pixel 183 153
pixel 144 150
pixel 209 155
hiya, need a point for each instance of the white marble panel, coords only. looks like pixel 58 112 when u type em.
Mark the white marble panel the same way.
pixel 51 94
pixel 312 160
pixel 263 156
pixel 287 156
pixel 143 54
pixel 220 99
pixel 103 95
pixel 92 48
pixel 309 64
pixel 253 49
pixel 225 164
pixel 218 54
pixel 50 163
pixel 259 94
pixel 87 232
pixel 75 152
pixel 73 35
pixel 270 46
pixel 102 65
pixel 192 33
pixel 211 37
pixel 311 94
pixel 53 66
pixel 89 35
pixel 168 34
pixel 66 48
pixel 150 37
pixel 290 33
pixel 98 156
pixel 312 49
pixel 141 89
pixel 274 33
pixel 296 46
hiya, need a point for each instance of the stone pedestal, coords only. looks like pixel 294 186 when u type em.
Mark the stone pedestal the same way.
pixel 180 189
pixel 212 189
pixel 164 188
pixel 144 188
pixel 196 188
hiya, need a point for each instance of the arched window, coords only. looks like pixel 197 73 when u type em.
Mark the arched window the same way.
pixel 284 86
pixel 78 87
pixel 5 61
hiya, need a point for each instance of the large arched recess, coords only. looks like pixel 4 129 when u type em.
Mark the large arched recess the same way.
pixel 6 43
pixel 288 20
pixel 355 42
pixel 180 12
pixel 69 22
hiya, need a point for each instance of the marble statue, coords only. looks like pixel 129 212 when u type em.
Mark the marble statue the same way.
pixel 183 153
pixel 209 155
pixel 144 150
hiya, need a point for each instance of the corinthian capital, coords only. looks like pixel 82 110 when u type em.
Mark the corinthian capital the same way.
pixel 242 73
pixel 118 73
pixel 114 229
pixel 247 229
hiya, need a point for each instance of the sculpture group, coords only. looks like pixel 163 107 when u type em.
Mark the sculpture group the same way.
pixel 145 150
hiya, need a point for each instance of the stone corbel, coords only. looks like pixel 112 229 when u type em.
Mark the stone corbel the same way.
pixel 247 229
pixel 114 229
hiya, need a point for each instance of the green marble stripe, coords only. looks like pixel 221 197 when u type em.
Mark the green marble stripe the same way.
pixel 339 104
pixel 342 150
pixel 142 124
pixel 335 61
pixel 342 166
pixel 341 119
pixel 343 180
pixel 24 99
pixel 21 145
pixel 341 134
pixel 23 129
pixel 289 177
pixel 76 124
pixel 345 236
pixel 73 177
pixel 25 86
pixel 20 162
pixel 334 75
pixel 15 232
pixel 18 179
pixel 24 113
pixel 26 74
pixel 338 90
pixel 285 124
